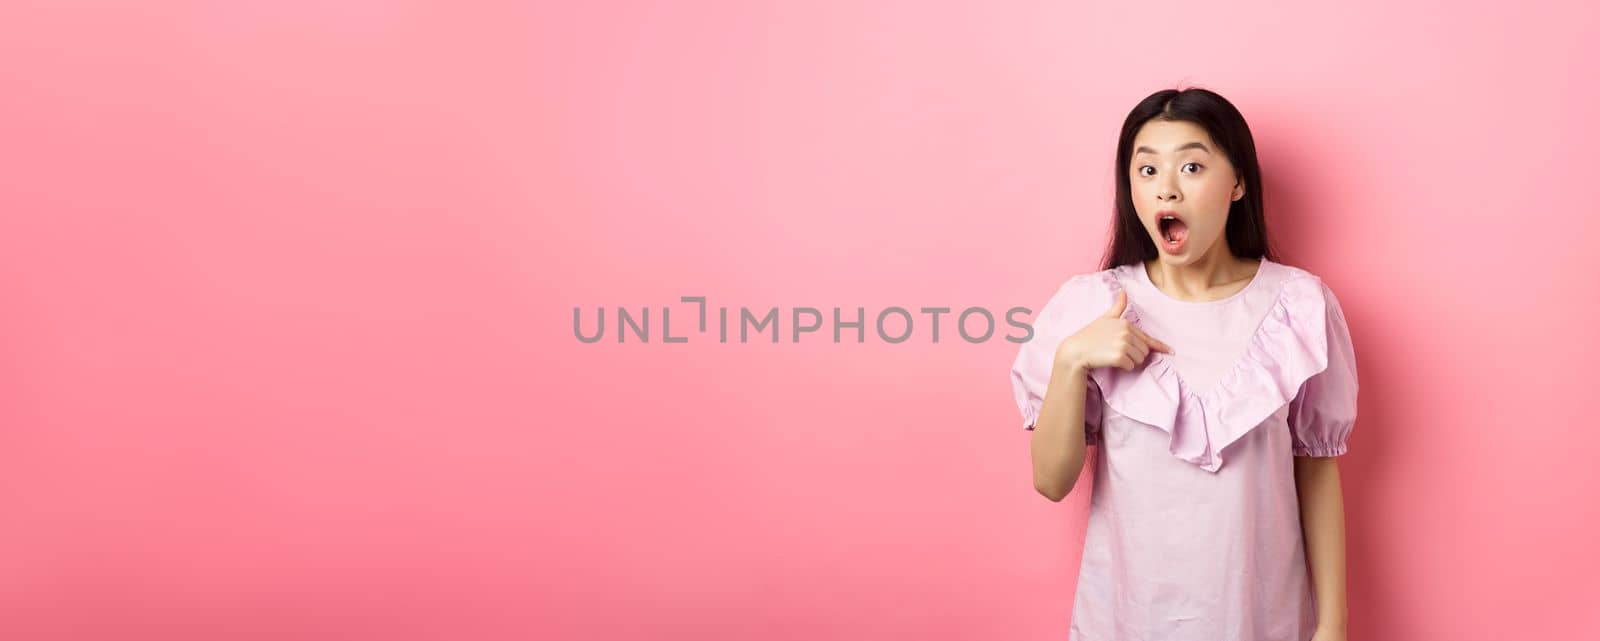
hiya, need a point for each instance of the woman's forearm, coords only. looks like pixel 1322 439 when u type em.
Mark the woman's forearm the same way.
pixel 1322 521
pixel 1057 446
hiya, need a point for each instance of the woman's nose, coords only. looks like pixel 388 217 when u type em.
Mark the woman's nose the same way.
pixel 1166 189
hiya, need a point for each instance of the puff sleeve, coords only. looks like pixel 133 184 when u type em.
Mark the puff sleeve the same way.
pixel 1323 412
pixel 1074 305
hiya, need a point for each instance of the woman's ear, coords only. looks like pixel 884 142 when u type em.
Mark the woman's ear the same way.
pixel 1238 190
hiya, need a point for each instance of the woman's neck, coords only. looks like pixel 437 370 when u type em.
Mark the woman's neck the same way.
pixel 1215 275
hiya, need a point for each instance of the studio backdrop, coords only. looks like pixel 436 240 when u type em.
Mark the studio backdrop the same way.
pixel 606 320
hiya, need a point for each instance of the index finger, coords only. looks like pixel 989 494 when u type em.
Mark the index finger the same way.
pixel 1158 345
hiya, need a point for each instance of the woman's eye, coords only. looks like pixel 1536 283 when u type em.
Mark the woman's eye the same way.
pixel 1142 168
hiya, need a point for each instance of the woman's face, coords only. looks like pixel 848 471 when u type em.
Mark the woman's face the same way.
pixel 1178 172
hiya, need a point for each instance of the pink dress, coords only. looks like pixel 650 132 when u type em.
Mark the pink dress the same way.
pixel 1194 524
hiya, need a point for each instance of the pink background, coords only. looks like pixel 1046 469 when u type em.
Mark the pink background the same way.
pixel 288 350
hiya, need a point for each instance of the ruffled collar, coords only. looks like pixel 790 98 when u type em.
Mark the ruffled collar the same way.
pixel 1288 346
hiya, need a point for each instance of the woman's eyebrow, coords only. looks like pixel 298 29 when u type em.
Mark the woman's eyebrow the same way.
pixel 1190 145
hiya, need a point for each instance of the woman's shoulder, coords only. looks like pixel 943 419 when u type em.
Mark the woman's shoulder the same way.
pixel 1080 297
pixel 1305 300
pixel 1301 282
pixel 1287 272
pixel 1100 280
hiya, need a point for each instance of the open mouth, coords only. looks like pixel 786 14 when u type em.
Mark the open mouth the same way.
pixel 1173 229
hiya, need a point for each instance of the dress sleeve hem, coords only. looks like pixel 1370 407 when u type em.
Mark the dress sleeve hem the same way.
pixel 1321 450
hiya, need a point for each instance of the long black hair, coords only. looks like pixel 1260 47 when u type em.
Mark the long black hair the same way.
pixel 1246 229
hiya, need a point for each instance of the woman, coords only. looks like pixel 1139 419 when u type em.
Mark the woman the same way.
pixel 1215 385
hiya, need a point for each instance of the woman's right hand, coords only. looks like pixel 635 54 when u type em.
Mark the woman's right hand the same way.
pixel 1109 341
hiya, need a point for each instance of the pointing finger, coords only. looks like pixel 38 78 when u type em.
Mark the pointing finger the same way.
pixel 1157 345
